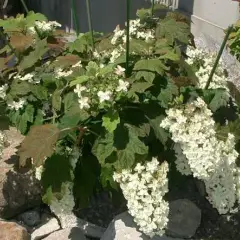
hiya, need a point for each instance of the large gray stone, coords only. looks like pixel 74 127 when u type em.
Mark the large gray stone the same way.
pixel 124 228
pixel 45 229
pixel 68 233
pixel 89 229
pixel 184 218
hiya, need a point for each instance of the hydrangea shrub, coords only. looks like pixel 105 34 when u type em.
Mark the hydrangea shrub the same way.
pixel 98 125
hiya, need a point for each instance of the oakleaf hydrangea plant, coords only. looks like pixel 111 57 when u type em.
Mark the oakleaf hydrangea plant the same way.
pixel 103 124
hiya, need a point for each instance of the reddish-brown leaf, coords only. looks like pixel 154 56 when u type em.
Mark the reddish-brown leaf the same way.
pixel 39 144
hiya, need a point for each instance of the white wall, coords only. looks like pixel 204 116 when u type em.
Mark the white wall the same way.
pixel 211 17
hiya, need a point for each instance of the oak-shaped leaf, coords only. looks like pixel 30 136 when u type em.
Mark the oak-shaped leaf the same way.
pixel 173 30
pixel 39 144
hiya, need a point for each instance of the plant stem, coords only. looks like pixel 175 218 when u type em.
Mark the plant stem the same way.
pixel 25 6
pixel 75 18
pixel 128 37
pixel 219 56
pixel 90 21
pixel 152 10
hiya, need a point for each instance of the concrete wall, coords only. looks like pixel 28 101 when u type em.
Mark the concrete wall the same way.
pixel 209 17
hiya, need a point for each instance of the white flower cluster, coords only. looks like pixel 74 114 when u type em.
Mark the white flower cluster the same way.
pixel 38 172
pixel 203 61
pixel 85 96
pixel 29 77
pixel 44 27
pixel 60 73
pixel 144 188
pixel 200 153
pixel 3 90
pixel 16 105
pixel 135 30
pixel 65 205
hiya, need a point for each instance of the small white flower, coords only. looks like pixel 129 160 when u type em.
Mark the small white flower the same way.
pixel 78 64
pixel 120 70
pixel 61 73
pixel 122 86
pixel 79 89
pixel 3 90
pixel 39 172
pixel 16 105
pixel 104 96
pixel 83 102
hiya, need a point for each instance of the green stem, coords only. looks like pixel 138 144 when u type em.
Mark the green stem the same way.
pixel 25 6
pixel 128 37
pixel 152 10
pixel 219 56
pixel 90 21
pixel 75 18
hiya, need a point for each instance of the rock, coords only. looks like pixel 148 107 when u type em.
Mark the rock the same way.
pixel 184 218
pixel 89 229
pixel 45 229
pixel 19 190
pixel 30 218
pixel 68 233
pixel 124 228
pixel 13 231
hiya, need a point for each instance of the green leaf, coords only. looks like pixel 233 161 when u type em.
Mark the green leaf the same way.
pixel 103 147
pixel 140 87
pixel 106 177
pixel 106 70
pixel 160 133
pixel 220 99
pixel 57 100
pixel 127 157
pixel 48 196
pixel 39 92
pixel 69 100
pixel 19 88
pixel 173 30
pixel 143 14
pixel 29 113
pixel 61 167
pixel 79 80
pixel 34 56
pixel 170 55
pixel 166 95
pixel 39 118
pixel 111 120
pixel 138 46
pixel 33 17
pixel 22 124
pixel 148 76
pixel 38 144
pixel 152 65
